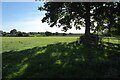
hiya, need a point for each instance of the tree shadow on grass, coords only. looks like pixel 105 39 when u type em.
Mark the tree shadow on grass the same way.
pixel 62 60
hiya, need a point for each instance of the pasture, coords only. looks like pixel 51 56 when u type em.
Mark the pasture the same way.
pixel 59 57
pixel 21 43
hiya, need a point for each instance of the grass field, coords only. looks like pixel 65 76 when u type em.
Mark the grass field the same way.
pixel 115 40
pixel 21 43
pixel 59 57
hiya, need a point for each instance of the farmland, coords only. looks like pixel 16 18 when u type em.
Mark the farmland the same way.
pixel 58 57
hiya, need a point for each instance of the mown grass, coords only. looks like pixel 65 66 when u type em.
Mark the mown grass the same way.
pixel 61 58
pixel 21 43
pixel 115 40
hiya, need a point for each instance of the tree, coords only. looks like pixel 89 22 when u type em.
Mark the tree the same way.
pixel 77 14
pixel 19 34
pixel 4 34
pixel 47 33
pixel 108 14
pixel 1 32
pixel 14 31
pixel 56 33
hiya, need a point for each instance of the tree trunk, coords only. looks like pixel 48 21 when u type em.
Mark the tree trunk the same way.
pixel 87 19
pixel 88 39
pixel 111 23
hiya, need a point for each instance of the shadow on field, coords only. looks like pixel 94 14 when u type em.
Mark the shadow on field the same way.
pixel 63 60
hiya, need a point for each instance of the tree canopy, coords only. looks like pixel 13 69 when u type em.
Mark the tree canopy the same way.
pixel 77 14
pixel 14 31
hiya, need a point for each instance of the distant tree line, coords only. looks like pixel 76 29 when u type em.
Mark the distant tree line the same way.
pixel 15 33
pixel 47 33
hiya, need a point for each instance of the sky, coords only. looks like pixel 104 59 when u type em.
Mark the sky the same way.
pixel 25 17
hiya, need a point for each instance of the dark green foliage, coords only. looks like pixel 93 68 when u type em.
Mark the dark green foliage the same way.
pixel 64 34
pixel 22 34
pixel 1 32
pixel 19 34
pixel 48 33
pixel 4 34
pixel 79 14
pixel 62 60
pixel 14 31
pixel 109 14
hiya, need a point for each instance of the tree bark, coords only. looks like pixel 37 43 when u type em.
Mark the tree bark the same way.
pixel 87 19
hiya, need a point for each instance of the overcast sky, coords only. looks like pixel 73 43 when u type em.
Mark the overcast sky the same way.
pixel 25 16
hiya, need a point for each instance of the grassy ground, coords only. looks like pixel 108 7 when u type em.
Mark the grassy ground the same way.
pixel 59 57
pixel 21 43
pixel 115 40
